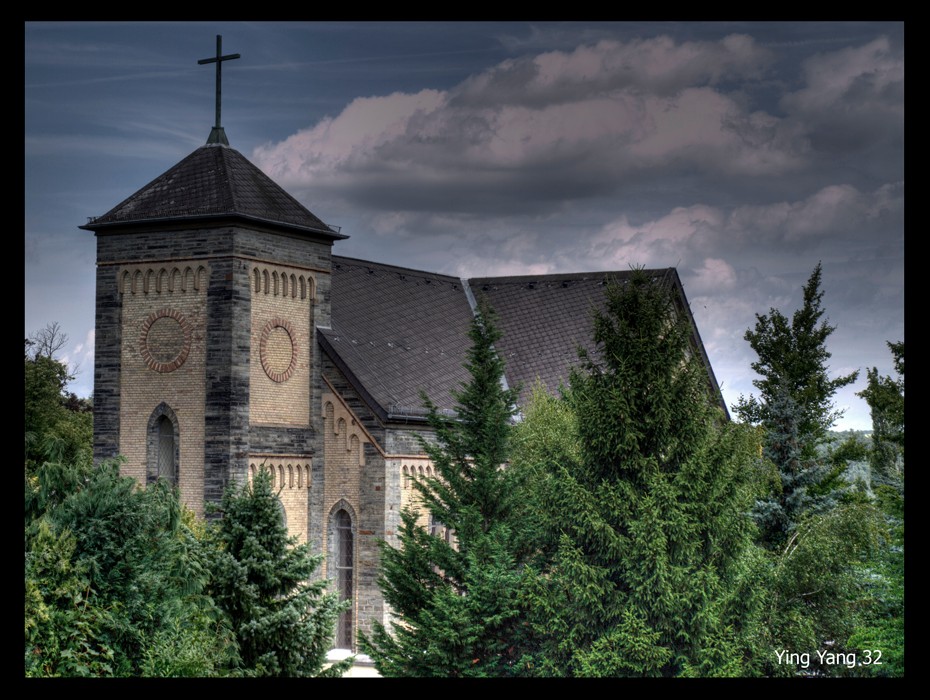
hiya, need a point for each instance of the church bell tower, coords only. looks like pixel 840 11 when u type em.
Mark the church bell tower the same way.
pixel 211 282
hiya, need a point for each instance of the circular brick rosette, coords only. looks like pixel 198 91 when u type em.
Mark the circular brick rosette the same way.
pixel 165 340
pixel 278 350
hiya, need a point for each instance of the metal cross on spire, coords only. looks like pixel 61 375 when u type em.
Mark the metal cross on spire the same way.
pixel 217 135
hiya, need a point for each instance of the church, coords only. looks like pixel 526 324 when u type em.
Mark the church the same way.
pixel 230 338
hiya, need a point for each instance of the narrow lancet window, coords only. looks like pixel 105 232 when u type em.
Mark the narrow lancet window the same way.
pixel 344 570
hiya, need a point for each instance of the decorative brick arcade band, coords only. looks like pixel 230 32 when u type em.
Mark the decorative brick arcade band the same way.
pixel 287 474
pixel 172 279
pixel 267 280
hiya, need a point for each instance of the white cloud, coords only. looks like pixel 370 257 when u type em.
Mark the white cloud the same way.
pixel 658 65
pixel 831 211
pixel 711 245
pixel 80 363
pixel 539 131
pixel 670 240
pixel 714 275
pixel 339 144
pixel 88 343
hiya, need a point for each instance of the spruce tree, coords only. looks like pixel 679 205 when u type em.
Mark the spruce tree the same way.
pixel 455 600
pixel 648 521
pixel 795 407
pixel 814 532
pixel 284 622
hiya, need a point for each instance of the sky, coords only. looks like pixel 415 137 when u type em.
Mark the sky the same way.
pixel 741 153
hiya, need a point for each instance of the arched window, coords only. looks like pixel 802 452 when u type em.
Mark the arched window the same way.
pixel 165 449
pixel 344 542
pixel 163 445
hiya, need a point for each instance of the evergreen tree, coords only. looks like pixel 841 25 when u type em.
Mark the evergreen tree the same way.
pixel 882 625
pixel 795 407
pixel 648 522
pixel 816 532
pixel 115 580
pixel 283 622
pixel 114 575
pixel 456 600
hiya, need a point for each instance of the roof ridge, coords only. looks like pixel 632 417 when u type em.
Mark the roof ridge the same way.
pixel 559 276
pixel 358 262
pixel 230 183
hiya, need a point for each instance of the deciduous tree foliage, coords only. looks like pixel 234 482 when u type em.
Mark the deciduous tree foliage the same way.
pixel 58 425
pixel 284 623
pixel 883 626
pixel 648 522
pixel 456 602
pixel 885 396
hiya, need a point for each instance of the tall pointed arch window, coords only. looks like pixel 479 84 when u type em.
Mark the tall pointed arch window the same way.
pixel 344 542
pixel 166 449
pixel 163 446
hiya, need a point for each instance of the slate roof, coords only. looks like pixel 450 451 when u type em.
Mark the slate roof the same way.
pixel 397 331
pixel 543 320
pixel 215 181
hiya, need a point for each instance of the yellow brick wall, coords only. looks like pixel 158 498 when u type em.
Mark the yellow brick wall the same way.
pixel 344 451
pixel 411 469
pixel 162 360
pixel 344 456
pixel 279 371
pixel 292 481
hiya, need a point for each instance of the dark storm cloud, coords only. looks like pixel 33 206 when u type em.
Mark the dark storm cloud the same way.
pixel 852 99
pixel 659 66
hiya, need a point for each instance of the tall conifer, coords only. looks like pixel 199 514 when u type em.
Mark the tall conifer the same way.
pixel 648 523
pixel 284 622
pixel 795 406
pixel 455 598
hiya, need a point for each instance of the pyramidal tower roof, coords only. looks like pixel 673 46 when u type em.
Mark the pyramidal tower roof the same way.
pixel 215 181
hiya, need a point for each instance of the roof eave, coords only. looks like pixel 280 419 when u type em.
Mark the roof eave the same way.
pixel 385 415
pixel 96 226
pixel 347 372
